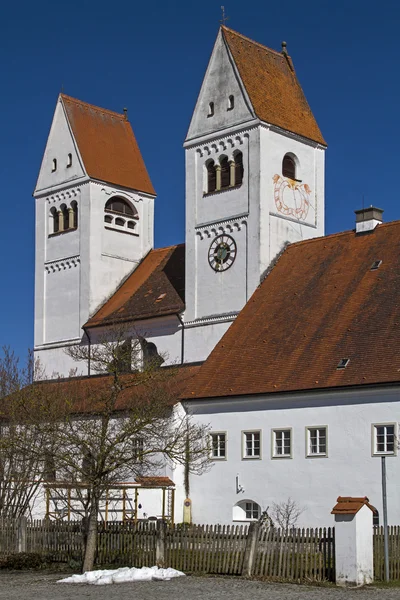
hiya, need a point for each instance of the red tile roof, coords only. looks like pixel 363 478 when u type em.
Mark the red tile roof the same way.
pixel 155 481
pixel 272 86
pixel 321 303
pixel 90 395
pixel 107 145
pixel 155 288
pixel 350 506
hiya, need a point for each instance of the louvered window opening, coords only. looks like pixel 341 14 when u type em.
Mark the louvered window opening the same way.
pixel 288 167
pixel 212 178
pixel 225 173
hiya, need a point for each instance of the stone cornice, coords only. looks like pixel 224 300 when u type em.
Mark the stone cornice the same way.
pixel 64 195
pixel 62 264
pixel 222 136
pixel 221 227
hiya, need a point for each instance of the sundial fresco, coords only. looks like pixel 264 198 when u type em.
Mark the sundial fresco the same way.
pixel 292 198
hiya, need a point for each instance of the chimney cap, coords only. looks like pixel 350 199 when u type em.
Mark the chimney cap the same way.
pixel 366 214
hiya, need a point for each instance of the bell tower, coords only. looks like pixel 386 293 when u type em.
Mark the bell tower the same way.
pixel 94 223
pixel 254 181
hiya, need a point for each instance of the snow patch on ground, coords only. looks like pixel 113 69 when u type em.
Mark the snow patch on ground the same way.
pixel 124 575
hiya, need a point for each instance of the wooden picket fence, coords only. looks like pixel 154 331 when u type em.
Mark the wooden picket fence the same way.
pixel 394 553
pixel 213 549
pixel 296 554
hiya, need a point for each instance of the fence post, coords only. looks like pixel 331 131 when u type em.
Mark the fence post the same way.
pixel 160 543
pixel 250 549
pixel 21 534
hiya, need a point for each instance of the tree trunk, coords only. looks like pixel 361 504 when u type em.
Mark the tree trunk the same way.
pixel 91 539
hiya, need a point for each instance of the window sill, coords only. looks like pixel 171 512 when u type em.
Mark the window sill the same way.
pixel 280 456
pixel 122 231
pixel 384 454
pixel 222 190
pixel 62 232
pixel 251 457
pixel 218 458
pixel 316 455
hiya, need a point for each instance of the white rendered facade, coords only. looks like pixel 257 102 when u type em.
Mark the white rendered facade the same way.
pixel 350 465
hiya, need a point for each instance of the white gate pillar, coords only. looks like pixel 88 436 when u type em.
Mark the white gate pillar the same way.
pixel 353 541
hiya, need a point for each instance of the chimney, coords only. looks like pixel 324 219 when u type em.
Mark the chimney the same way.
pixel 368 218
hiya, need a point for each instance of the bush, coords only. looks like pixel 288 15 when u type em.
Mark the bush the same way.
pixel 24 560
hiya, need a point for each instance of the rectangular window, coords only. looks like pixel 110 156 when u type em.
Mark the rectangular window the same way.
pixel 251 444
pixel 384 438
pixel 218 445
pixel 282 443
pixel 316 441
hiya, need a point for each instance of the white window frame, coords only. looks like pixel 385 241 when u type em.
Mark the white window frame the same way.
pixel 273 442
pixel 374 434
pixel 317 454
pixel 218 433
pixel 251 432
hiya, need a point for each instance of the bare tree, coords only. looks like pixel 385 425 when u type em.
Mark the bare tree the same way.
pixel 286 514
pixel 94 424
pixel 21 436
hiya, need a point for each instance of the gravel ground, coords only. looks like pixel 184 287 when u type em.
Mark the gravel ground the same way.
pixel 41 586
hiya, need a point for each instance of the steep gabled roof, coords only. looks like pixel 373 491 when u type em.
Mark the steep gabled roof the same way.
pixel 272 86
pixel 320 304
pixel 154 289
pixel 107 145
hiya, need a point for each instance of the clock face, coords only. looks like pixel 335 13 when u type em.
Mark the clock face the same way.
pixel 222 253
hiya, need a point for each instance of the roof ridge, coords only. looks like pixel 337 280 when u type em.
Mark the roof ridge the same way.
pixel 340 234
pixel 224 27
pixel 97 108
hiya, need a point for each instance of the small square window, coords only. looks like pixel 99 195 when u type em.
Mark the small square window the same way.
pixel 281 443
pixel 251 444
pixel 317 441
pixel 252 510
pixel 218 445
pixel 384 439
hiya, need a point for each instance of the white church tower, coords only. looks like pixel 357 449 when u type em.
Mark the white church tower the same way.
pixel 254 181
pixel 94 222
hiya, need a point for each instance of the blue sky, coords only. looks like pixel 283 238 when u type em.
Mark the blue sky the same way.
pixel 151 57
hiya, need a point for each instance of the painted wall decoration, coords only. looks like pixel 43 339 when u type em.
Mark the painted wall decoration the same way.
pixel 292 198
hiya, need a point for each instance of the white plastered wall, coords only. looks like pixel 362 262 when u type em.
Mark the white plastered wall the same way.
pixel 349 469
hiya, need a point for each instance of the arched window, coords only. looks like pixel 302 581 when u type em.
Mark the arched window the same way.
pixel 69 160
pixel 121 206
pixel 211 177
pixel 225 172
pixel 56 223
pixel 289 167
pixel 210 109
pixel 54 165
pixel 246 510
pixel 231 102
pixel 65 218
pixel 238 168
pixel 131 224
pixel 119 221
pixel 108 219
pixel 74 206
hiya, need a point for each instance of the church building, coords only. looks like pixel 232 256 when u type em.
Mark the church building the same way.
pixel 292 334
